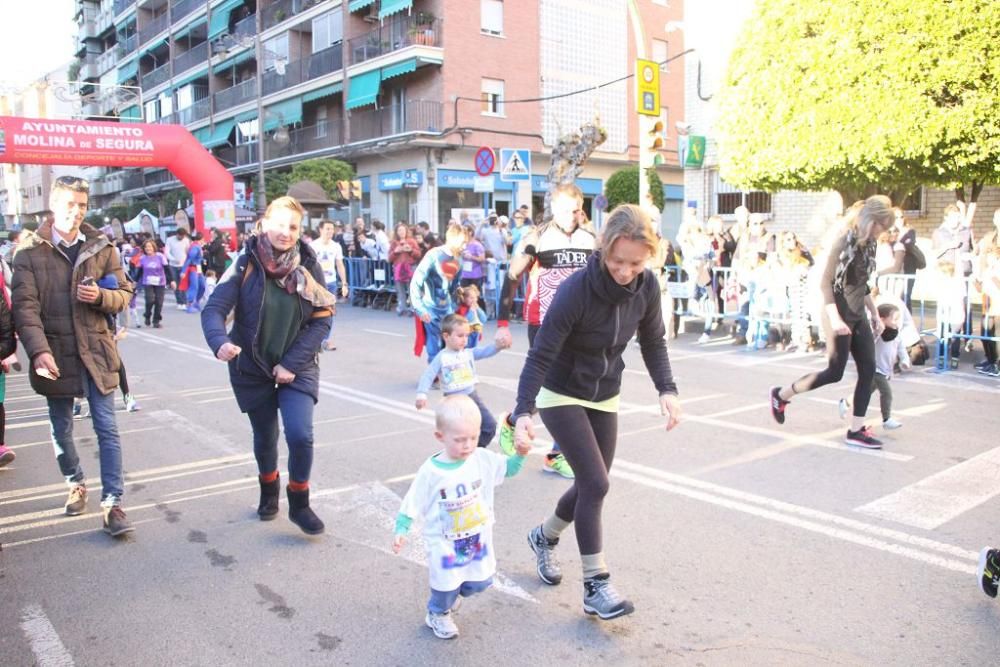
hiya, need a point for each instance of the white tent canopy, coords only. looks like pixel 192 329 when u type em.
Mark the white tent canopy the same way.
pixel 135 225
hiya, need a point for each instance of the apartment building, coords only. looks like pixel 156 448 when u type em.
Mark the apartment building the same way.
pixel 406 90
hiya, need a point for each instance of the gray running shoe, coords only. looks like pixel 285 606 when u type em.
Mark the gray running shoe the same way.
pixel 601 599
pixel 442 625
pixel 76 503
pixel 115 522
pixel 546 565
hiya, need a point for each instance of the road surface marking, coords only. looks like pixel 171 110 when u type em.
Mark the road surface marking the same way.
pixel 45 643
pixel 938 499
pixel 385 333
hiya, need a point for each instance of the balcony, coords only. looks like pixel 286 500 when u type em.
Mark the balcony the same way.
pixel 319 137
pixel 184 7
pixel 127 46
pixel 412 116
pixel 312 67
pixel 155 78
pixel 89 68
pixel 107 60
pixel 236 95
pixel 282 10
pixel 87 29
pixel 154 28
pixel 195 112
pixel 122 5
pixel 159 177
pixel 132 179
pixel 397 34
pixel 196 55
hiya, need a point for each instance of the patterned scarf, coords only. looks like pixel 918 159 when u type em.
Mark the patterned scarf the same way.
pixel 847 256
pixel 286 268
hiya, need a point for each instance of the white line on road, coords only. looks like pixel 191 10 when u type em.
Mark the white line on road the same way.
pixel 385 333
pixel 38 443
pixel 217 400
pixel 937 499
pixel 45 643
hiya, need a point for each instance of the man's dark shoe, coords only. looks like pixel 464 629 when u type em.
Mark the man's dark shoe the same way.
pixel 269 493
pixel 116 523
pixel 301 514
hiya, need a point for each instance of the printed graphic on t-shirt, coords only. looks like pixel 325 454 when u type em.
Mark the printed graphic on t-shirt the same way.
pixel 463 519
pixel 557 256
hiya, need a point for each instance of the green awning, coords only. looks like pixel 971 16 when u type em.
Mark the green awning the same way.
pixel 233 62
pixel 186 30
pixel 359 4
pixel 390 7
pixel 152 46
pixel 363 89
pixel 246 115
pixel 202 135
pixel 287 112
pixel 183 81
pixel 404 67
pixel 128 71
pixel 219 21
pixel 132 113
pixel 219 135
pixel 325 91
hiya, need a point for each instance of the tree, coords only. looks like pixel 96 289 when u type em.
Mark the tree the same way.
pixel 863 96
pixel 325 172
pixel 623 187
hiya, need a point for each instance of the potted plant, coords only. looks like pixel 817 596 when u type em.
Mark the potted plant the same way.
pixel 424 19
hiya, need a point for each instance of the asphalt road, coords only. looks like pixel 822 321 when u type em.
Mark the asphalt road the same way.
pixel 739 541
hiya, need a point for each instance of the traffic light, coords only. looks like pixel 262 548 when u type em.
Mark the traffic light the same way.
pixel 655 136
pixel 651 141
pixel 356 190
pixel 344 188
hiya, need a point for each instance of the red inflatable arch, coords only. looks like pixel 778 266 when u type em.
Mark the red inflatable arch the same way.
pixel 96 143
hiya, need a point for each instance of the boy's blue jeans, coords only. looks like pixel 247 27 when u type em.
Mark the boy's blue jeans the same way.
pixel 102 412
pixel 443 601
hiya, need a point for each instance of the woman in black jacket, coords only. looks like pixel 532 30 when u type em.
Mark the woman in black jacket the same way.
pixel 573 377
pixel 283 313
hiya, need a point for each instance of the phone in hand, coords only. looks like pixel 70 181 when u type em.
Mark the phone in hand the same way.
pixel 88 280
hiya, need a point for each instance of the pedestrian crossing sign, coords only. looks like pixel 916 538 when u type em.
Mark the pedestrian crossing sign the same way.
pixel 515 164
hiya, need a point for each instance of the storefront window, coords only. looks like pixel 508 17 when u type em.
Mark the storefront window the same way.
pixel 449 198
pixel 398 206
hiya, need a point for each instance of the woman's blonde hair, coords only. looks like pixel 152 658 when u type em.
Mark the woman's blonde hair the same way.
pixel 290 203
pixel 863 214
pixel 631 223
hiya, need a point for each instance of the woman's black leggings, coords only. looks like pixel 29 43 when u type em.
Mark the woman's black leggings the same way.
pixel 587 439
pixel 860 343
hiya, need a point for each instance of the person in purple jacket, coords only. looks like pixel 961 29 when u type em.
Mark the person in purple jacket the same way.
pixel 153 279
pixel 573 377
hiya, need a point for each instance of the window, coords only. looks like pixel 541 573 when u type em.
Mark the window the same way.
pixel 150 111
pixel 660 53
pixel 492 97
pixel 398 109
pixel 185 97
pixel 327 30
pixel 274 50
pixel 166 104
pixel 728 198
pixel 491 16
pixel 913 203
pixel 321 120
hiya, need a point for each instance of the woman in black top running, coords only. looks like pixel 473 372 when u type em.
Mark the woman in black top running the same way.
pixel 850 319
pixel 575 370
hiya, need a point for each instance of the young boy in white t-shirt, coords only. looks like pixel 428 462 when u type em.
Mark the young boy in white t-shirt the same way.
pixel 453 495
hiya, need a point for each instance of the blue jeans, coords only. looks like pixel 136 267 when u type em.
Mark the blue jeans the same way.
pixel 442 601
pixel 174 276
pixel 488 427
pixel 102 412
pixel 296 410
pixel 432 331
pixel 332 288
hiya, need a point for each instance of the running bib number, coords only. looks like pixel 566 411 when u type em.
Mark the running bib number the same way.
pixel 153 281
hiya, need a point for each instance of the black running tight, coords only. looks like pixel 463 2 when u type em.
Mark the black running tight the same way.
pixel 587 439
pixel 861 344
pixel 123 379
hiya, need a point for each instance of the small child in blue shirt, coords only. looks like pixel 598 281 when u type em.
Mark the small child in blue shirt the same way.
pixel 456 366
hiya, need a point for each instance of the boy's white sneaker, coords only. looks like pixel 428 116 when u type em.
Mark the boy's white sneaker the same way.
pixel 442 625
pixel 891 424
pixel 704 338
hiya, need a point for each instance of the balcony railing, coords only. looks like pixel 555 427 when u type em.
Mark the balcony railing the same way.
pixel 312 67
pixel 154 27
pixel 399 33
pixel 159 177
pixel 127 46
pixel 282 10
pixel 107 60
pixel 196 55
pixel 155 78
pixel 302 140
pixel 182 8
pixel 132 180
pixel 122 5
pixel 231 97
pixel 195 112
pixel 412 116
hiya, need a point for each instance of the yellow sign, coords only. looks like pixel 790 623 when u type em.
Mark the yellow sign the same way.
pixel 647 78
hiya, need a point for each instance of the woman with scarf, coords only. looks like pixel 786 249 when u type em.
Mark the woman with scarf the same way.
pixel 850 319
pixel 282 314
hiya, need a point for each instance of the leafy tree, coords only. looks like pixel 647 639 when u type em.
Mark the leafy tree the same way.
pixel 623 187
pixel 325 172
pixel 863 96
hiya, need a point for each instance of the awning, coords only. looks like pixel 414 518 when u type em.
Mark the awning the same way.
pixel 132 113
pixel 355 5
pixel 287 112
pixel 233 62
pixel 219 135
pixel 246 115
pixel 183 81
pixel 325 91
pixel 219 21
pixel 152 46
pixel 202 135
pixel 390 7
pixel 363 89
pixel 128 71
pixel 186 30
pixel 404 67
